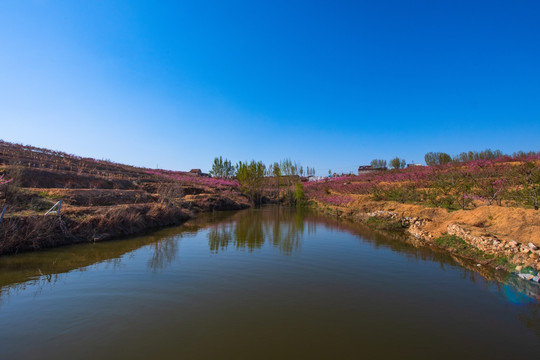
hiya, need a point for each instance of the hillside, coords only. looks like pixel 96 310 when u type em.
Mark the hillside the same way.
pixel 484 210
pixel 100 199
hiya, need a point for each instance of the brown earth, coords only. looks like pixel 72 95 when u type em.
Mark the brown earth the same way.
pixel 509 224
pixel 502 237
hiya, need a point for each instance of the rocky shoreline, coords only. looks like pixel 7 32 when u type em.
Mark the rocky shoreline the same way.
pixel 522 259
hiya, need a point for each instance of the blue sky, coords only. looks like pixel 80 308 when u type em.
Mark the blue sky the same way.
pixel 329 84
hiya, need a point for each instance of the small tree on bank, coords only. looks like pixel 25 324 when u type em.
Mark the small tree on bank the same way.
pixel 299 195
pixel 528 175
pixel 251 179
pixel 222 168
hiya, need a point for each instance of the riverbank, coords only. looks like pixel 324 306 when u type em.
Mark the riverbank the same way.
pixel 492 236
pixel 54 198
pixel 91 224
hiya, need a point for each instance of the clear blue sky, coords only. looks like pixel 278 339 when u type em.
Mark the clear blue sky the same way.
pixel 329 84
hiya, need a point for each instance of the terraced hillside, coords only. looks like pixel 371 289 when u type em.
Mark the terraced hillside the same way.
pixel 100 199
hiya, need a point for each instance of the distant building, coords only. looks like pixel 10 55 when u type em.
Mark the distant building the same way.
pixel 365 169
pixel 414 165
pixel 197 172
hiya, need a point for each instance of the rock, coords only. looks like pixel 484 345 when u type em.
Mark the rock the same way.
pixel 526 276
pixel 478 265
pixel 100 237
pixel 532 246
pixel 512 243
pixel 519 267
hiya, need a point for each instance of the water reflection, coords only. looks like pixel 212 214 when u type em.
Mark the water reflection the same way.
pixel 46 268
pixel 507 286
pixel 283 228
pixel 164 252
pixel 296 277
pixel 220 236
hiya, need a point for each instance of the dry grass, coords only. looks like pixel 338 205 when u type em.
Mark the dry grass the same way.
pixel 97 197
pixel 19 234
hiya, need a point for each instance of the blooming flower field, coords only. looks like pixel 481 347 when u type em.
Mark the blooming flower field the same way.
pixel 508 181
pixel 198 180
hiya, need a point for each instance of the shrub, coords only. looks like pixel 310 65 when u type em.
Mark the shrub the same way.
pixel 299 195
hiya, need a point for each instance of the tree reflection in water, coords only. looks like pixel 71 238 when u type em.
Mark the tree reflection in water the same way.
pixel 163 253
pixel 283 228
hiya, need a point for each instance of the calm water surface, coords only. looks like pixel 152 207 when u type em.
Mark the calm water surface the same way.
pixel 271 283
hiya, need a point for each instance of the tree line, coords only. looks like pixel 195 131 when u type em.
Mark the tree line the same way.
pixel 441 158
pixel 257 179
pixel 395 163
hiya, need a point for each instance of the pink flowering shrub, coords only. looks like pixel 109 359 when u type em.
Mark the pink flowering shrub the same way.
pixel 196 180
pixel 511 181
pixel 4 181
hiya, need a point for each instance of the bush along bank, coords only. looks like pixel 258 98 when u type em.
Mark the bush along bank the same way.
pixel 485 250
pixel 36 232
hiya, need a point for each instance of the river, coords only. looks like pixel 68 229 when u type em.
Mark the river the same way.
pixel 269 283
